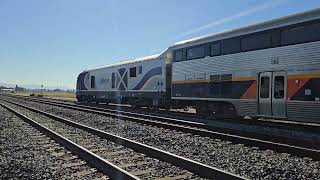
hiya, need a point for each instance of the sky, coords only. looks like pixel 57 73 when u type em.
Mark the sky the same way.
pixel 51 42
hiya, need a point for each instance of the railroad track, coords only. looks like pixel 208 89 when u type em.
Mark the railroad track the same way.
pixel 283 124
pixel 194 128
pixel 118 157
pixel 188 117
pixel 42 157
pixel 270 130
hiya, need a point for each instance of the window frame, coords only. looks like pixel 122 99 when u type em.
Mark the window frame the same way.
pixel 227 42
pixel 215 43
pixel 275 39
pixel 194 47
pixel 175 55
pixel 254 36
pixel 300 25
pixel 280 88
pixel 92 82
pixel 133 70
pixel 113 80
pixel 139 69
pixel 269 84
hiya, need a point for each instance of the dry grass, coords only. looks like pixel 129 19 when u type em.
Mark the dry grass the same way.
pixel 54 95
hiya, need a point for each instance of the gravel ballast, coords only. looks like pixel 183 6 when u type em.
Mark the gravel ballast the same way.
pixel 236 158
pixel 25 153
pixel 103 147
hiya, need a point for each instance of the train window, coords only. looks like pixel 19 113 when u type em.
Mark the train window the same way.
pixel 113 80
pixel 133 72
pixel 300 34
pixel 140 70
pixel 229 46
pixel 264 87
pixel 93 83
pixel 178 55
pixel 215 49
pixel 195 53
pixel 276 38
pixel 256 41
pixel 279 87
pixel 214 78
pixel 226 77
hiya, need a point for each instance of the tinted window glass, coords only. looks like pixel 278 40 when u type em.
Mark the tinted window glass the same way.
pixel 140 69
pixel 215 49
pixel 257 41
pixel 113 80
pixel 230 46
pixel 194 53
pixel 214 78
pixel 276 38
pixel 264 87
pixel 226 77
pixel 133 72
pixel 300 34
pixel 279 87
pixel 178 55
pixel 93 82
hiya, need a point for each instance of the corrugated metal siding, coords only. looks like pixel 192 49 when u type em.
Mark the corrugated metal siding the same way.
pixel 308 111
pixel 295 55
pixel 246 107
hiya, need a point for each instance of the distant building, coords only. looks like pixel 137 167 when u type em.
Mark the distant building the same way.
pixel 6 90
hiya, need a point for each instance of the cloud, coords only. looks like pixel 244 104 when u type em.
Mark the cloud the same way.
pixel 253 10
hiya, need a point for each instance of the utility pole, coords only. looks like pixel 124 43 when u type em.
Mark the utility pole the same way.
pixel 42 90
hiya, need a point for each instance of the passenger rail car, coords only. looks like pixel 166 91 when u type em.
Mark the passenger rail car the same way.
pixel 271 69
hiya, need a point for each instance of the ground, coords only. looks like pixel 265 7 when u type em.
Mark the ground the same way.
pixel 55 95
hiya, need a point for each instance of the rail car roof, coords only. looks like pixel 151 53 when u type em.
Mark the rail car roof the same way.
pixel 274 23
pixel 141 59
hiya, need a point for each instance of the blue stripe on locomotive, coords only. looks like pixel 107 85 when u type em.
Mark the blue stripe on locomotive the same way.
pixel 80 81
pixel 147 76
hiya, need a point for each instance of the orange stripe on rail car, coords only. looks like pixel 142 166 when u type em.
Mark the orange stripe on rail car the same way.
pixel 251 92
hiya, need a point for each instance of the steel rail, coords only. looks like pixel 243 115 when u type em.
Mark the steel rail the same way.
pixel 198 168
pixel 101 164
pixel 263 144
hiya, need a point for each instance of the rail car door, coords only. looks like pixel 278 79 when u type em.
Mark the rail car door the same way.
pixel 272 93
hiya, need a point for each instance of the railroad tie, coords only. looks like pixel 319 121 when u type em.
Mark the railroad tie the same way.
pixel 134 164
pixel 69 158
pixel 48 145
pixel 69 165
pixel 113 153
pixel 98 149
pixel 142 172
pixel 60 154
pixel 101 178
pixel 127 157
pixel 184 176
pixel 84 173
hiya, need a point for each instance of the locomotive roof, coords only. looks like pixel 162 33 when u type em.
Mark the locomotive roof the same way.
pixel 135 60
pixel 274 23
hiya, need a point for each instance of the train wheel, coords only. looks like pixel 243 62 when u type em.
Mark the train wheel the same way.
pixel 151 108
pixel 202 111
